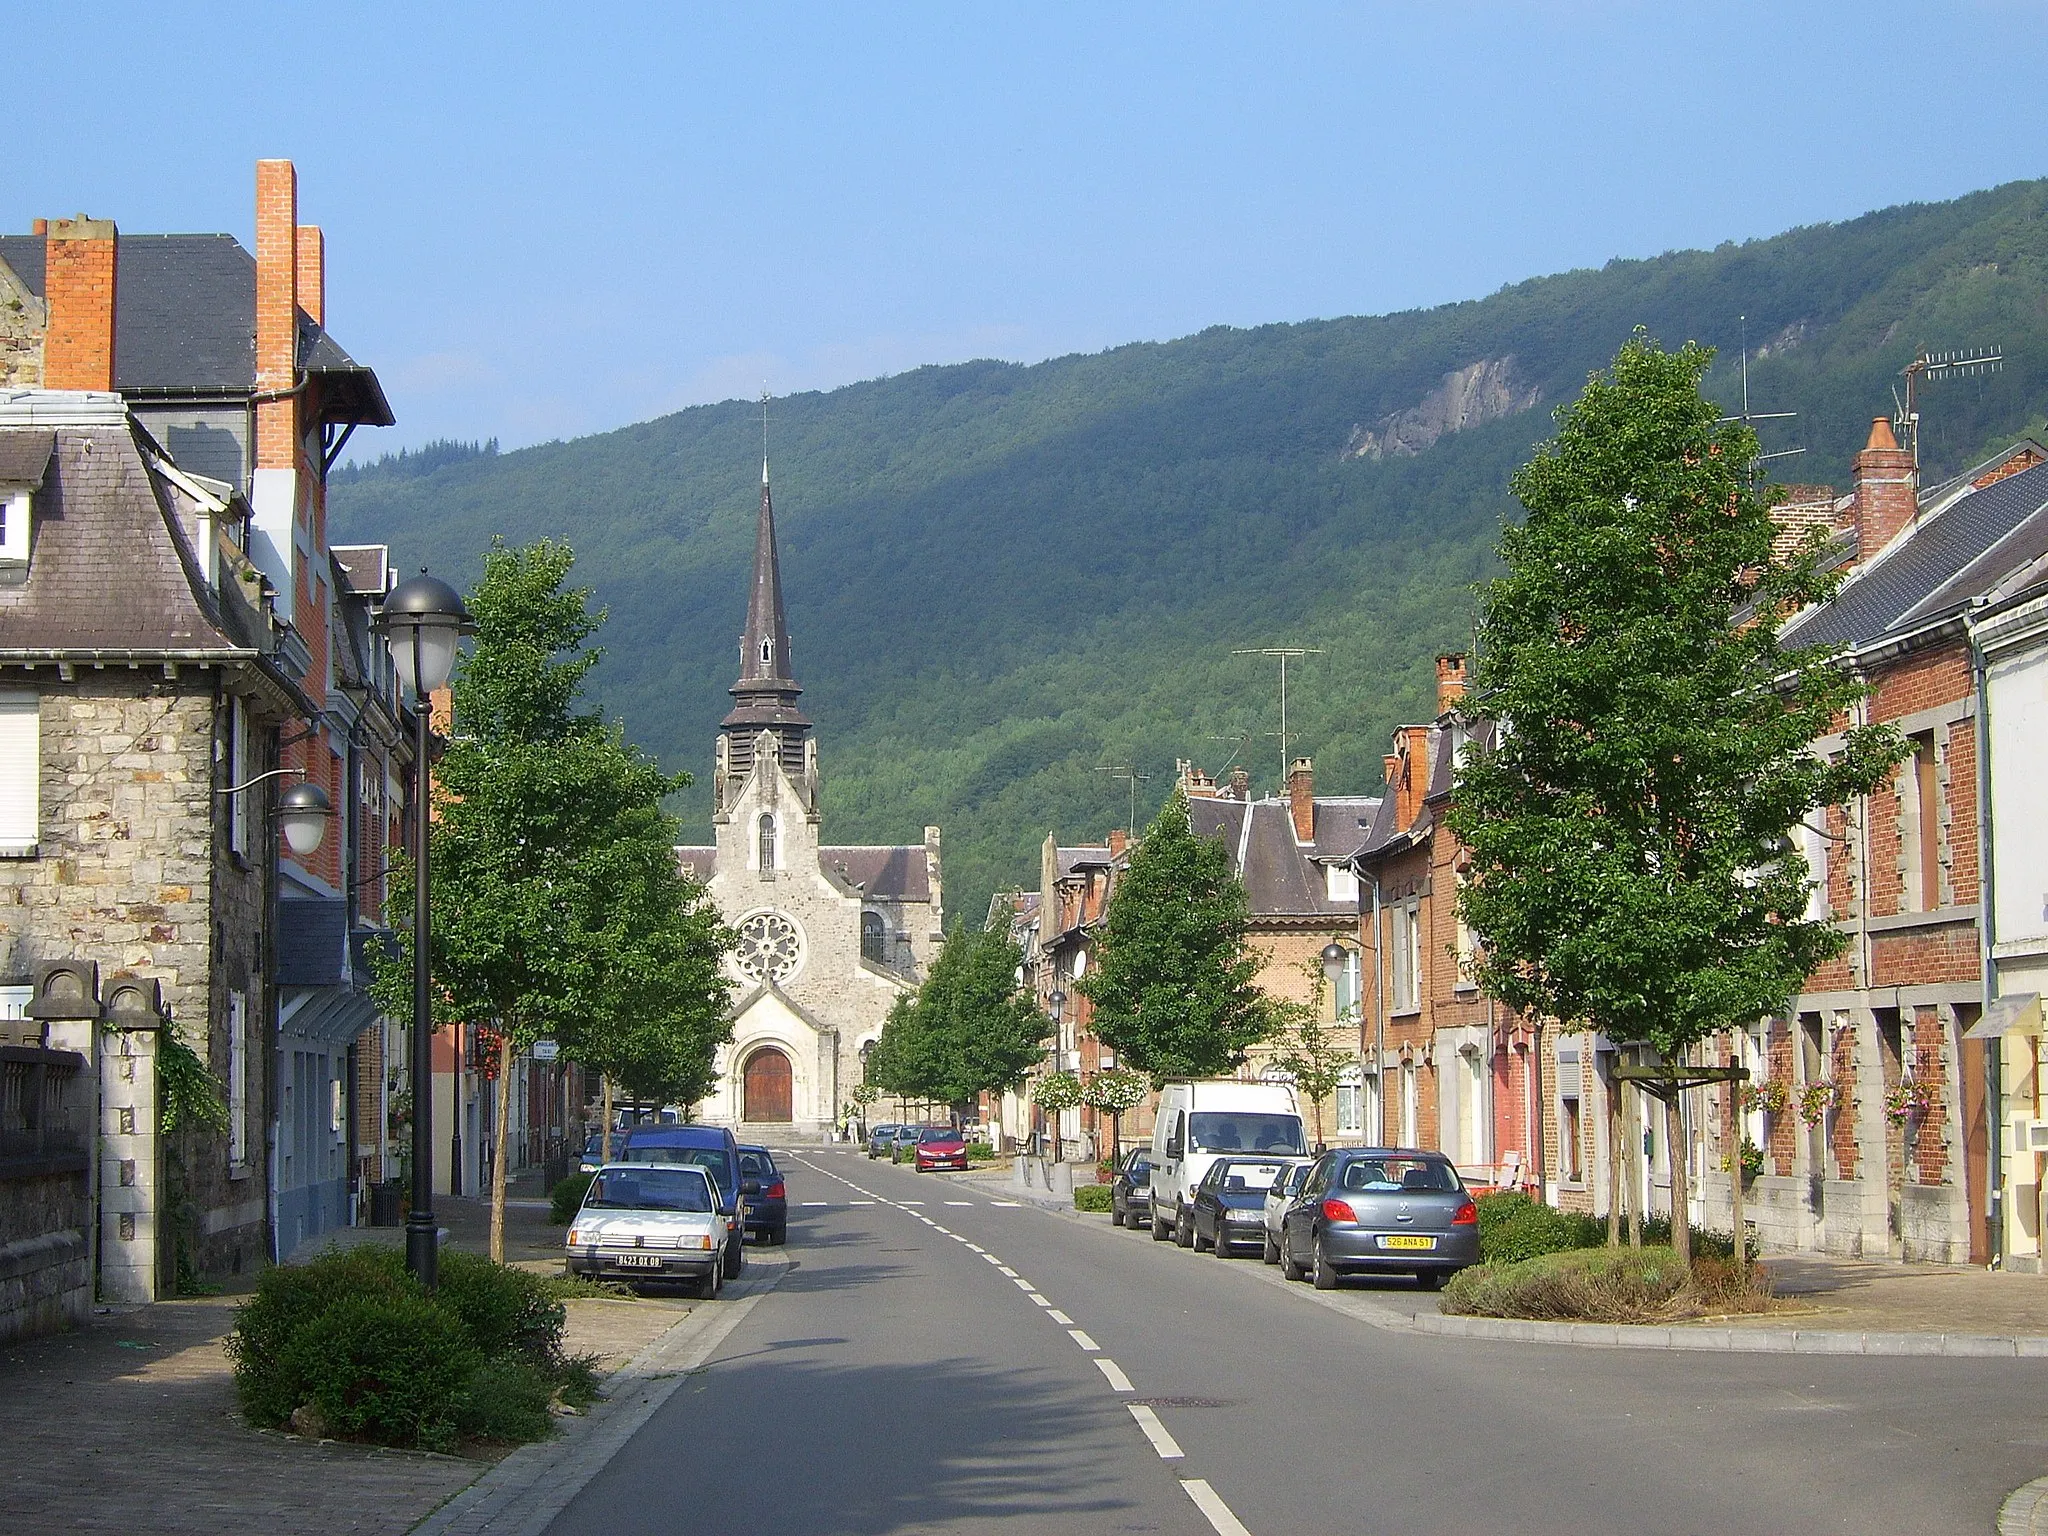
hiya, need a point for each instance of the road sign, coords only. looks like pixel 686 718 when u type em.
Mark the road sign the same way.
pixel 546 1050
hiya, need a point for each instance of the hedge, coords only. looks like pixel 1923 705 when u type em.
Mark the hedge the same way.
pixel 1091 1197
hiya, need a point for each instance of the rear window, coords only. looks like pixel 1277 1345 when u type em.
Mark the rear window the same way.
pixel 1383 1175
pixel 650 1189
pixel 757 1165
pixel 1241 1132
pixel 1244 1178
pixel 710 1159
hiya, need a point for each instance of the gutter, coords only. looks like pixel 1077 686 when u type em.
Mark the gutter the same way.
pixel 1994 1050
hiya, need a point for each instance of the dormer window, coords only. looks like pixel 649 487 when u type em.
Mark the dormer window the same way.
pixel 14 524
pixel 767 653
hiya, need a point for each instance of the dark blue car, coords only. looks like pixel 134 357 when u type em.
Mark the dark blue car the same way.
pixel 710 1147
pixel 766 1196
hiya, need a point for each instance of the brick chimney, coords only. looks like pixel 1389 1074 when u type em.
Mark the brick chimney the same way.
pixel 1194 783
pixel 277 312
pixel 310 253
pixel 1240 784
pixel 1301 799
pixel 78 287
pixel 1883 490
pixel 1119 840
pixel 1414 756
pixel 1450 681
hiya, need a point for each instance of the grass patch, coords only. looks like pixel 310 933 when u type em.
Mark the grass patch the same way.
pixel 1609 1285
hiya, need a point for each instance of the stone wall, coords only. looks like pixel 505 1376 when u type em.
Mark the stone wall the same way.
pixel 45 1262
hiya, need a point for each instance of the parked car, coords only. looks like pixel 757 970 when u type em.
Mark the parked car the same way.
pixel 1229 1210
pixel 905 1143
pixel 593 1152
pixel 940 1146
pixel 766 1196
pixel 648 1222
pixel 1380 1210
pixel 1199 1122
pixel 1130 1192
pixel 710 1147
pixel 1278 1198
pixel 880 1139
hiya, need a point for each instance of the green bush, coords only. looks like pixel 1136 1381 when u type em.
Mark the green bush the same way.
pixel 1607 1285
pixel 286 1300
pixel 1091 1197
pixel 386 1368
pixel 506 1399
pixel 566 1198
pixel 1513 1227
pixel 500 1308
pixel 980 1151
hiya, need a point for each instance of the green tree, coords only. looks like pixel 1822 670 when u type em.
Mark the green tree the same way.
pixel 970 1028
pixel 557 902
pixel 1311 1046
pixel 1629 825
pixel 1173 980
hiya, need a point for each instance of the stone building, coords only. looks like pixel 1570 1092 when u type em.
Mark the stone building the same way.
pixel 830 935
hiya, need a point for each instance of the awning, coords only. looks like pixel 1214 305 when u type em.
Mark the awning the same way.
pixel 2021 1012
pixel 332 1017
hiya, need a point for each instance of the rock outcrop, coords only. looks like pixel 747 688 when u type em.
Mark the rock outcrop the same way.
pixel 1468 397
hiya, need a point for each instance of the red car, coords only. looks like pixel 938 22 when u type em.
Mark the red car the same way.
pixel 940 1146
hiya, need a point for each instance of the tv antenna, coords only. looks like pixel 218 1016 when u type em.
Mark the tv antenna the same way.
pixel 1126 771
pixel 1285 653
pixel 1934 367
pixel 1749 417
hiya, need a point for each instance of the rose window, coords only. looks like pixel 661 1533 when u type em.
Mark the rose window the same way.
pixel 770 948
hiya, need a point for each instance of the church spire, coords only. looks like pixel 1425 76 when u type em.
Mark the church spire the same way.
pixel 766 691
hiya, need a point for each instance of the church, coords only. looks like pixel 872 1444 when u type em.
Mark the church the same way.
pixel 830 935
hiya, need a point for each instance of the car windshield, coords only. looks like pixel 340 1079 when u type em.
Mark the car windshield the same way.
pixel 938 1133
pixel 650 1189
pixel 710 1159
pixel 1382 1175
pixel 1244 1132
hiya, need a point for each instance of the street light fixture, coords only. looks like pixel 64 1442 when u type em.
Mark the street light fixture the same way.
pixel 422 622
pixel 303 812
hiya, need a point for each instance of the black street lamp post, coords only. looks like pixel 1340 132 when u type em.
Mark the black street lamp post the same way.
pixel 422 621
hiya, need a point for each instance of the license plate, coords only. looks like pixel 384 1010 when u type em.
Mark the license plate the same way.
pixel 639 1261
pixel 1403 1240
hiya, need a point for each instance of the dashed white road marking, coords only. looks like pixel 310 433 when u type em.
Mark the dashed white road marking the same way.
pixel 860 1202
pixel 817 1202
pixel 977 1248
pixel 1109 1368
pixel 1083 1340
pixel 1023 1285
pixel 1005 1205
pixel 1004 1269
pixel 908 1203
pixel 1060 1317
pixel 1167 1447
pixel 1211 1504
pixel 959 1202
pixel 1038 1300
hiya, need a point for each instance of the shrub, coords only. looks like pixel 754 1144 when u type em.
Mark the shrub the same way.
pixel 1513 1227
pixel 980 1151
pixel 388 1368
pixel 566 1198
pixel 506 1399
pixel 501 1309
pixel 1607 1285
pixel 286 1300
pixel 1091 1197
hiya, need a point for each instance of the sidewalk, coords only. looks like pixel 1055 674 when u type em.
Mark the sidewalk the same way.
pixel 131 1424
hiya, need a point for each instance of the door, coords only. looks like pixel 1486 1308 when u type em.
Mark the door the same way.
pixel 765 1087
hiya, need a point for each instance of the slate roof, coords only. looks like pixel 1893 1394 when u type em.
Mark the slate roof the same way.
pixel 24 456
pixel 1281 877
pixel 366 566
pixel 1341 822
pixel 185 323
pixel 109 569
pixel 885 873
pixel 1952 555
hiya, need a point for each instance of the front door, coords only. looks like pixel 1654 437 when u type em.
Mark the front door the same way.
pixel 765 1087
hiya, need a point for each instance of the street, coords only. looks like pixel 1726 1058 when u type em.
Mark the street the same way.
pixel 940 1360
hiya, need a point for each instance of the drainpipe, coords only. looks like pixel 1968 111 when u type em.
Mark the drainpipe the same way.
pixel 1379 1003
pixel 1994 1049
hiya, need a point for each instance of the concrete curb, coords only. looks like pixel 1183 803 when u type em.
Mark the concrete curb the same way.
pixel 2025 1510
pixel 1768 1341
pixel 522 1495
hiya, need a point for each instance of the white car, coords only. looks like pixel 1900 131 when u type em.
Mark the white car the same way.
pixel 1198 1122
pixel 644 1221
pixel 1278 1197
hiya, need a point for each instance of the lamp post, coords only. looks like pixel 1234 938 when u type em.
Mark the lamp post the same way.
pixel 422 621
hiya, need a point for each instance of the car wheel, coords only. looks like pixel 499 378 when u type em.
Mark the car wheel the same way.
pixel 779 1236
pixel 735 1260
pixel 1160 1231
pixel 1431 1279
pixel 1271 1251
pixel 1321 1275
pixel 1202 1244
pixel 1289 1270
pixel 1116 1215
pixel 1184 1229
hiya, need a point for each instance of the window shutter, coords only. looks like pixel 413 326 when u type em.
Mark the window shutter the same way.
pixel 1568 1074
pixel 21 769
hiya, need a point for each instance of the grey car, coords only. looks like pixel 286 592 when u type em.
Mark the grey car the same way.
pixel 1278 1198
pixel 1379 1210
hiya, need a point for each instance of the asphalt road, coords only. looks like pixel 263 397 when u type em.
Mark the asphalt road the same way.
pixel 900 1381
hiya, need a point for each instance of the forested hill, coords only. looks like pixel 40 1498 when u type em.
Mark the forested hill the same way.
pixel 1002 579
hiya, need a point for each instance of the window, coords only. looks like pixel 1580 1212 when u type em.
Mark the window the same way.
pixel 1570 1119
pixel 21 771
pixel 1923 884
pixel 1407 958
pixel 767 652
pixel 1354 1093
pixel 767 842
pixel 874 938
pixel 238 1080
pixel 1409 1106
pixel 239 820
pixel 1348 986
pixel 1813 845
pixel 1340 882
pixel 14 526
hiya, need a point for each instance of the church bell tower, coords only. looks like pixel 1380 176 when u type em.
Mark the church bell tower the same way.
pixel 765 720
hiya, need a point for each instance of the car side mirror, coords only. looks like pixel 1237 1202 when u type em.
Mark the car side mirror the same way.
pixel 750 1186
pixel 1175 1147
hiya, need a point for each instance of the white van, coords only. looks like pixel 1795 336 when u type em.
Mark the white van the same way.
pixel 1199 1122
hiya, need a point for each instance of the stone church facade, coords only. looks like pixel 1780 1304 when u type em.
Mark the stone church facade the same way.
pixel 830 935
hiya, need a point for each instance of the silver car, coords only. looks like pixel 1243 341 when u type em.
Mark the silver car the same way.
pixel 644 1221
pixel 1384 1210
pixel 1278 1198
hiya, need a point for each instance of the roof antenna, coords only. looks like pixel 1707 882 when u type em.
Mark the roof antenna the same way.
pixel 764 431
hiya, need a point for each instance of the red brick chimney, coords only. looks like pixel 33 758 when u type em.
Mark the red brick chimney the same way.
pixel 78 286
pixel 310 252
pixel 39 227
pixel 277 312
pixel 1884 492
pixel 1450 681
pixel 1119 839
pixel 1414 755
pixel 1240 785
pixel 1301 799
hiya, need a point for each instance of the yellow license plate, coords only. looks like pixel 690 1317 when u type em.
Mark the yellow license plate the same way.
pixel 1402 1240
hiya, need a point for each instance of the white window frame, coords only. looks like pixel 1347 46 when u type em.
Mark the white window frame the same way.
pixel 1353 1101
pixel 1340 882
pixel 17 509
pixel 1407 957
pixel 239 840
pixel 238 1081
pixel 21 772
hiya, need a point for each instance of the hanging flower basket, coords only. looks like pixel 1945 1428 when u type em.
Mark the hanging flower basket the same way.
pixel 1771 1096
pixel 1910 1098
pixel 1818 1100
pixel 1752 1160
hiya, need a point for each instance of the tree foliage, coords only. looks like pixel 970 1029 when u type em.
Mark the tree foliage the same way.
pixel 1312 1049
pixel 1173 981
pixel 1629 826
pixel 971 1028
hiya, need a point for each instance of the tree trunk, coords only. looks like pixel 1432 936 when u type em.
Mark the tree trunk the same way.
pixel 1733 1137
pixel 1614 1182
pixel 1681 1216
pixel 498 1143
pixel 1636 1171
pixel 607 1151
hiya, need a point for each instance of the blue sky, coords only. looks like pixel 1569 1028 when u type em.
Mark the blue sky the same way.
pixel 545 221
